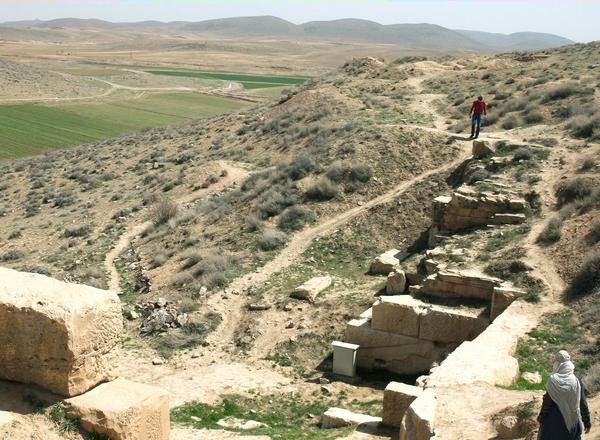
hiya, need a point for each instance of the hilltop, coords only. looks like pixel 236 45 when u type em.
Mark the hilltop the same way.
pixel 408 36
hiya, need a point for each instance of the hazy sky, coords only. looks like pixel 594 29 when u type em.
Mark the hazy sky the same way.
pixel 575 19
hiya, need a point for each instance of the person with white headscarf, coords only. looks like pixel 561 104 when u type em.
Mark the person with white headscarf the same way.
pixel 564 407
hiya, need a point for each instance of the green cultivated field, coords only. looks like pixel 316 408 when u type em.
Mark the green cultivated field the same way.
pixel 30 129
pixel 248 81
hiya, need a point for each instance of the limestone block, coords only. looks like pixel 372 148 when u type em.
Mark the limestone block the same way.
pixel 445 324
pixel 388 351
pixel 367 313
pixel 503 297
pixel 339 418
pixel 398 314
pixel 419 419
pixel 397 397
pixel 6 420
pixel 517 204
pixel 59 336
pixel 311 289
pixel 464 284
pixel 123 410
pixel 396 282
pixel 385 263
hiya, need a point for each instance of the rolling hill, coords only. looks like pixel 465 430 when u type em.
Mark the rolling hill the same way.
pixel 409 36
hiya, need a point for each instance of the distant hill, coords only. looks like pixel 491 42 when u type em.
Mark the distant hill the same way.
pixel 409 36
pixel 517 41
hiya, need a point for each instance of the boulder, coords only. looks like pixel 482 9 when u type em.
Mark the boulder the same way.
pixel 242 425
pixel 59 336
pixel 533 378
pixel 482 149
pixel 397 397
pixel 508 427
pixel 419 419
pixel 385 263
pixel 123 410
pixel 396 282
pixel 398 314
pixel 311 289
pixel 447 324
pixel 339 418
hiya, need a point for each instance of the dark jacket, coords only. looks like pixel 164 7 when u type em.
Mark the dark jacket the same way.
pixel 552 423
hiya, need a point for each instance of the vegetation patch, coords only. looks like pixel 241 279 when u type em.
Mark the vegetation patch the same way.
pixel 248 81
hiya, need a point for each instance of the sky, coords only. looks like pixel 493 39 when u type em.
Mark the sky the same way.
pixel 574 19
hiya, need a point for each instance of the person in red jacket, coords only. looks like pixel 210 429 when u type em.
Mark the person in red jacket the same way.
pixel 477 113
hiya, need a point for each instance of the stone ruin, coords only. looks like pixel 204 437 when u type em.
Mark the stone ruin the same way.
pixel 64 338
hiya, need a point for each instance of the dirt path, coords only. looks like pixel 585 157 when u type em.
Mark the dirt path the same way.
pixel 234 175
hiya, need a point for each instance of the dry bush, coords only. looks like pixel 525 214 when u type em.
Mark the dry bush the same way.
pixel 164 210
pixel 587 279
pixel 294 218
pixel 323 189
pixel 271 240
pixel 574 189
pixel 595 232
pixel 158 260
pixel 585 126
pixel 551 233
pixel 591 379
pixel 510 122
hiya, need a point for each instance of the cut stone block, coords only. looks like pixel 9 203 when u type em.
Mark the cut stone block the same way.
pixel 397 397
pixel 311 289
pixel 123 410
pixel 344 358
pixel 59 336
pixel 339 418
pixel 419 419
pixel 445 324
pixel 463 284
pixel 510 219
pixel 367 313
pixel 503 297
pixel 385 263
pixel 398 314
pixel 396 282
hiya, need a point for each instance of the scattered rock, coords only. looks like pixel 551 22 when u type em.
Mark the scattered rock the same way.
pixel 243 425
pixel 157 361
pixel 258 307
pixel 533 378
pixel 396 282
pixel 309 290
pixel 482 149
pixel 339 418
pixel 508 427
pixel 385 263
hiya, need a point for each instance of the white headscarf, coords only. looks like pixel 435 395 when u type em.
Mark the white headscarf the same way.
pixel 564 389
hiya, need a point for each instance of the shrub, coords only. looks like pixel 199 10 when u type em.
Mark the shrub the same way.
pixel 587 164
pixel 275 200
pixel 12 255
pixel 587 279
pixel 77 231
pixel 551 233
pixel 522 154
pixel 574 189
pixel 510 122
pixel 585 126
pixel 253 223
pixel 294 218
pixel 594 233
pixel 14 234
pixel 183 279
pixel 271 240
pixel 591 379
pixel 563 91
pixel 533 117
pixel 158 260
pixel 515 105
pixel 336 171
pixel 215 269
pixel 360 172
pixel 300 167
pixel 322 189
pixel 477 176
pixel 191 259
pixel 163 211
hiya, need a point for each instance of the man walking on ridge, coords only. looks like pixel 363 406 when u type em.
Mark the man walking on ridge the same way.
pixel 477 113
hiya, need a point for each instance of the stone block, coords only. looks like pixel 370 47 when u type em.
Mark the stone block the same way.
pixel 311 289
pixel 398 314
pixel 445 324
pixel 123 410
pixel 397 397
pixel 385 263
pixel 396 282
pixel 344 358
pixel 339 418
pixel 419 419
pixel 508 219
pixel 59 336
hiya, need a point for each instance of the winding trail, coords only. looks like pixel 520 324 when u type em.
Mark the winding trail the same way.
pixel 234 175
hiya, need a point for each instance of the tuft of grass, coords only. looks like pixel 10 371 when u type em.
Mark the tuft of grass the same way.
pixel 58 414
pixel 585 126
pixel 591 380
pixel 574 189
